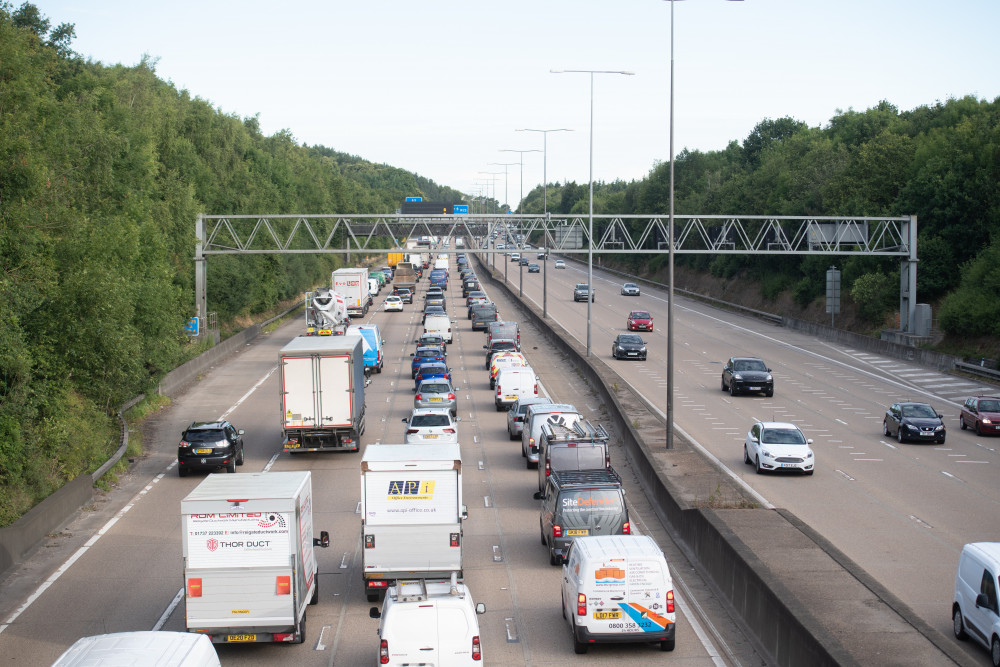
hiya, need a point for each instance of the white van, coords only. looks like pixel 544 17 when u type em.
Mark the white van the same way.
pixel 429 622
pixel 975 612
pixel 439 324
pixel 166 649
pixel 514 382
pixel 531 430
pixel 617 589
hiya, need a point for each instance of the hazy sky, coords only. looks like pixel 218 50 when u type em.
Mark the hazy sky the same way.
pixel 439 87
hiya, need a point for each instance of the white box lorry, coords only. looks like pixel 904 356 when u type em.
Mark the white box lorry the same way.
pixel 353 285
pixel 411 514
pixel 322 393
pixel 248 561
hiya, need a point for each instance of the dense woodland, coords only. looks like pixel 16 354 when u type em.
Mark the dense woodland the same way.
pixel 939 162
pixel 104 169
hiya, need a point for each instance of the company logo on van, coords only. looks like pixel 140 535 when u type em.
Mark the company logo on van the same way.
pixel 610 575
pixel 410 489
pixel 646 619
pixel 272 520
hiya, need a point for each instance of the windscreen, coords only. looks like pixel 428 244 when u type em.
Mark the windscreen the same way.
pixel 783 436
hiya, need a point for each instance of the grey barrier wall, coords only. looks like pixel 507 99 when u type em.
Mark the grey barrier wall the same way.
pixel 180 376
pixel 783 628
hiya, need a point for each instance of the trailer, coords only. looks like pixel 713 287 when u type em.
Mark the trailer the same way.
pixel 322 393
pixel 353 285
pixel 248 561
pixel 411 514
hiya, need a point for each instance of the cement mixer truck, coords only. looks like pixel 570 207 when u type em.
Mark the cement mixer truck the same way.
pixel 326 313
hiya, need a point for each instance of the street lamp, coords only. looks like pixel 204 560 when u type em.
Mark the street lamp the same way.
pixel 494 174
pixel 520 207
pixel 504 165
pixel 545 210
pixel 590 215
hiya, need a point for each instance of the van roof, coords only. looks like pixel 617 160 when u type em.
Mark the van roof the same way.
pixel 617 546
pixel 988 549
pixel 168 649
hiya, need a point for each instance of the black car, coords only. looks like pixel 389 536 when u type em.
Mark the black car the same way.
pixel 404 293
pixel 534 268
pixel 523 261
pixel 743 375
pixel 209 445
pixel 914 421
pixel 628 346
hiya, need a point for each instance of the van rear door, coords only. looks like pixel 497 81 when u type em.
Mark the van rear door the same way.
pixel 631 596
pixel 454 635
pixel 412 634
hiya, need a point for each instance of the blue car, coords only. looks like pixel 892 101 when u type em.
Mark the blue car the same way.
pixel 425 354
pixel 432 371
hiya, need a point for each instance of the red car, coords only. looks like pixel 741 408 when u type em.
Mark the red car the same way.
pixel 981 414
pixel 640 320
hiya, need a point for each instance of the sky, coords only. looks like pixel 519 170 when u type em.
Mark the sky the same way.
pixel 441 87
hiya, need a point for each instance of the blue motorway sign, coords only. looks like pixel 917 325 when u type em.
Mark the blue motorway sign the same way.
pixel 461 209
pixel 414 199
pixel 191 328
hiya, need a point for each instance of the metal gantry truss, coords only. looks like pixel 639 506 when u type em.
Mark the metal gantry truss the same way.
pixel 613 234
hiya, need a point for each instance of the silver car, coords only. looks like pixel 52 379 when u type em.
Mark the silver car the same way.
pixel 436 394
pixel 515 416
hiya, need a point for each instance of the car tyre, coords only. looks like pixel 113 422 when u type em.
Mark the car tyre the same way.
pixel 979 431
pixel 371 597
pixel 899 434
pixel 769 394
pixel 995 651
pixel 961 422
pixel 957 624
pixel 732 389
pixel 746 454
pixel 644 357
pixel 724 387
pixel 756 466
pixel 239 457
pixel 885 428
pixel 941 441
pixel 232 465
pixel 182 472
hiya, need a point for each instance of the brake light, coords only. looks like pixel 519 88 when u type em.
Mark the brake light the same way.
pixel 451 397
pixel 383 652
pixel 283 636
pixel 556 530
pixel 194 588
pixel 419 397
pixel 626 528
pixel 411 431
pixel 531 442
pixel 377 583
pixel 498 390
pixel 477 651
pixel 448 430
pixel 548 468
pixel 581 604
pixel 536 389
pixel 670 602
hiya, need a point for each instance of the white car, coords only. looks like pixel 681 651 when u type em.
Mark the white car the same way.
pixel 393 303
pixel 778 446
pixel 559 264
pixel 431 426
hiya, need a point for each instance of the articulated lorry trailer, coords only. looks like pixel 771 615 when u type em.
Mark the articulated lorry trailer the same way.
pixel 322 393
pixel 353 285
pixel 248 561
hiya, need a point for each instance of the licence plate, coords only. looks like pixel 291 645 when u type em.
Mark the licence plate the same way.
pixel 582 531
pixel 509 398
pixel 435 400
pixel 633 354
pixel 789 465
pixel 607 614
pixel 203 451
pixel 431 436
pixel 241 638
pixel 753 388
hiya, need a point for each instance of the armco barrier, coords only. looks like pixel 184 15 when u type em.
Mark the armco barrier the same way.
pixel 780 623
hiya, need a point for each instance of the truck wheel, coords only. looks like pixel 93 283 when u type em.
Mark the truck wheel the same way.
pixel 300 632
pixel 371 597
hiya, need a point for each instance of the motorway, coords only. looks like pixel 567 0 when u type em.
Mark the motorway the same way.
pixel 117 566
pixel 900 511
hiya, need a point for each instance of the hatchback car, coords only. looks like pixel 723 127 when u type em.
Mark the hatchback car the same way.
pixel 630 289
pixel 778 446
pixel 639 320
pixel 628 346
pixel 209 445
pixel 582 291
pixel 404 293
pixel 436 394
pixel 393 303
pixel 981 414
pixel 431 339
pixel 475 296
pixel 430 425
pixel 435 370
pixel 434 300
pixel 747 374
pixel 425 354
pixel 559 264
pixel 523 261
pixel 914 421
pixel 534 268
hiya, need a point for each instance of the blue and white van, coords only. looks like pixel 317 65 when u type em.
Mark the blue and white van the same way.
pixel 372 344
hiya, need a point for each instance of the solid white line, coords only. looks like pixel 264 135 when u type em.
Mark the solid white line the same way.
pixel 169 610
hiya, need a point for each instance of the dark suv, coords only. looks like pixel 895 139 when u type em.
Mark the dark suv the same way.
pixel 581 502
pixel 209 445
pixel 743 375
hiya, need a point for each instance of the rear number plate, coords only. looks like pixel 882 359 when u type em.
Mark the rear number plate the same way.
pixel 607 614
pixel 431 436
pixel 203 451
pixel 583 531
pixel 435 400
pixel 241 638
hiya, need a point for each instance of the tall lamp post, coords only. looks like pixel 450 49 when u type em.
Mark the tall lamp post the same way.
pixel 590 214
pixel 545 209
pixel 520 207
pixel 494 175
pixel 506 201
pixel 670 250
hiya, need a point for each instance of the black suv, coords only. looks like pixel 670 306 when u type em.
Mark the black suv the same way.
pixel 209 445
pixel 747 375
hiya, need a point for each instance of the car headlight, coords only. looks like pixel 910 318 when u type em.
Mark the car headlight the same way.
pixel 642 349
pixel 768 378
pixel 939 428
pixel 766 453
pixel 737 376
pixel 986 420
pixel 809 455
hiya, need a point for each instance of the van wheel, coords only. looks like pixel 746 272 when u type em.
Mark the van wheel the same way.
pixel 554 559
pixel 371 597
pixel 578 646
pixel 995 651
pixel 958 626
pixel 563 605
pixel 667 645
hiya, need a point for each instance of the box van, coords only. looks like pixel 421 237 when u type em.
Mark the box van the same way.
pixel 581 446
pixel 531 430
pixel 514 382
pixel 579 503
pixel 617 588
pixel 438 324
pixel 429 622
pixel 372 345
pixel 166 649
pixel 503 330
pixel 975 613
pixel 441 263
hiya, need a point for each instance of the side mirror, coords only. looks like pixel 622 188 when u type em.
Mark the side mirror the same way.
pixel 809 441
pixel 323 540
pixel 981 601
pixel 480 608
pixel 484 347
pixel 241 431
pixel 404 419
pixel 413 353
pixel 458 419
pixel 373 612
pixel 940 416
